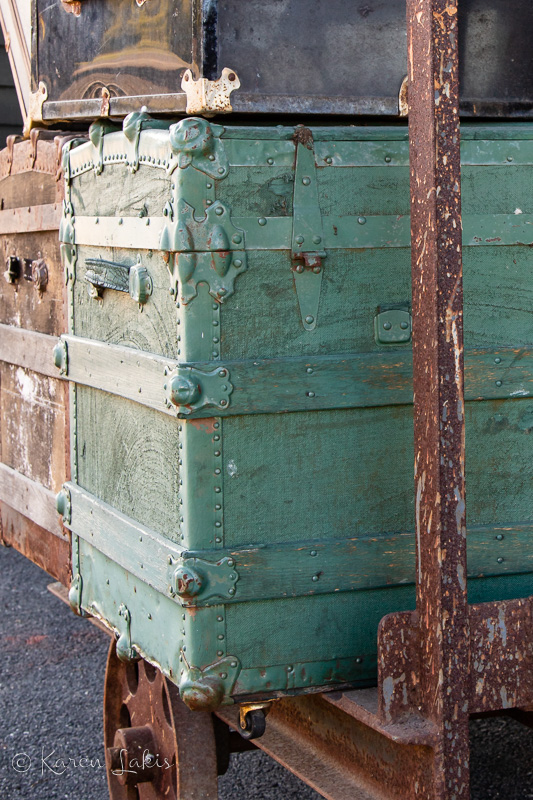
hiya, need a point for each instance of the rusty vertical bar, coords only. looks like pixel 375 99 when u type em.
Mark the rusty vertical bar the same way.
pixel 438 384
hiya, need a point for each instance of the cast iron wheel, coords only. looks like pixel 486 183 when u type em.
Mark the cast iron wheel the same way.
pixel 155 746
pixel 254 724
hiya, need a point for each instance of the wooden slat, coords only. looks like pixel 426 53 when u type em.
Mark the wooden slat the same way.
pixel 353 380
pixel 28 349
pixel 30 218
pixel 30 499
pixel 281 569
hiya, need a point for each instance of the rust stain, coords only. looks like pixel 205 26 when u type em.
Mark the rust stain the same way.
pixel 207 425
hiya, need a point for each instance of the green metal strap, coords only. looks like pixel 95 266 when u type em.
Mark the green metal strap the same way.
pixel 275 233
pixel 259 572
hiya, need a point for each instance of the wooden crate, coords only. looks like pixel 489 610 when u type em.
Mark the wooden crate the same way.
pixel 34 401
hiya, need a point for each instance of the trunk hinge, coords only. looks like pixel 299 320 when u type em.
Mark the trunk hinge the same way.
pixel 307 233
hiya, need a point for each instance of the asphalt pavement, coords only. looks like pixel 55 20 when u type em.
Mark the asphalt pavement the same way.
pixel 51 693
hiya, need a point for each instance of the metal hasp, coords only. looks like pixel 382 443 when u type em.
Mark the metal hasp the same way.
pixel 307 233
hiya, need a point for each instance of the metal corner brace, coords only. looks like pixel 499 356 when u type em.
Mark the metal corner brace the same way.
pixel 210 97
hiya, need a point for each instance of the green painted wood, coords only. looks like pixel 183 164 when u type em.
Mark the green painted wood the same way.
pixel 291 384
pixel 396 153
pixel 128 455
pixel 281 569
pixel 340 233
pixel 139 550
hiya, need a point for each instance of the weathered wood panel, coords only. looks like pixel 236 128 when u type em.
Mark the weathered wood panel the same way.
pixel 43 548
pixel 34 402
pixel 33 424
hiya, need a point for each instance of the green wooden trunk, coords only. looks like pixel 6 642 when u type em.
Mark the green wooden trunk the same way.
pixel 242 496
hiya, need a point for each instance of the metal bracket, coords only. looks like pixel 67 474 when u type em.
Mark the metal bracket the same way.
pixel 208 250
pixel 194 578
pixel 97 131
pixel 192 389
pixel 35 108
pixel 17 268
pixel 307 232
pixel 208 688
pixel 39 273
pixel 61 362
pixel 64 503
pixel 392 326
pixel 210 97
pixel 69 255
pixel 125 651
pixel 66 226
pixel 74 594
pixel 134 123
pixel 196 142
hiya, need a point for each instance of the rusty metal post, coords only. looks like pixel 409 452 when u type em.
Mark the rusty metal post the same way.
pixel 438 384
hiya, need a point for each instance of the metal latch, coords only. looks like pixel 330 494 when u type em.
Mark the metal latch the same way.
pixel 17 268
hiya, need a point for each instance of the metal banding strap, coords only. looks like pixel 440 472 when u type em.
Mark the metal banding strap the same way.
pixel 279 570
pixel 280 385
pixel 275 233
